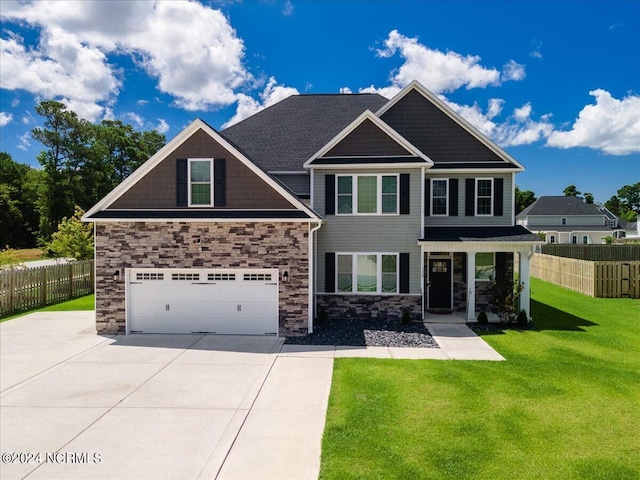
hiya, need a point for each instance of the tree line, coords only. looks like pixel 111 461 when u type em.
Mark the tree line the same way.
pixel 81 162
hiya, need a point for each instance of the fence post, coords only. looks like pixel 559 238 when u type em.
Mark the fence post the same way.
pixel 70 280
pixel 43 288
pixel 10 304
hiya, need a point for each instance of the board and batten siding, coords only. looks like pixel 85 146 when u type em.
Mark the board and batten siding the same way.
pixel 374 234
pixel 547 220
pixel 463 221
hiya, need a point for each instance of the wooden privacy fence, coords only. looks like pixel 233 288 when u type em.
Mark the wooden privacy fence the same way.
pixel 595 253
pixel 596 279
pixel 29 288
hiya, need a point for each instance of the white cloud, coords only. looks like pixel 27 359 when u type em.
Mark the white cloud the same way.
pixel 518 129
pixel 288 8
pixel 5 118
pixel 611 125
pixel 537 49
pixel 345 90
pixel 142 102
pixel 190 49
pixel 247 106
pixel 15 102
pixel 438 71
pixel 512 70
pixel 135 118
pixel 27 118
pixel 24 142
pixel 163 126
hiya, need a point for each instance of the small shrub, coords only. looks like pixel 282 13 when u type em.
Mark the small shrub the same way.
pixel 522 321
pixel 323 315
pixel 482 318
pixel 406 317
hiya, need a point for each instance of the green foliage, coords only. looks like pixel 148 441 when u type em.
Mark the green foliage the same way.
pixel 505 296
pixel 588 198
pixel 542 236
pixel 626 204
pixel 608 239
pixel 482 318
pixel 572 191
pixel 74 238
pixel 524 198
pixel 8 259
pixel 406 317
pixel 522 321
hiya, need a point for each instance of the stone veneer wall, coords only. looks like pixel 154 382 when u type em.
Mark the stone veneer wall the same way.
pixel 370 306
pixel 125 245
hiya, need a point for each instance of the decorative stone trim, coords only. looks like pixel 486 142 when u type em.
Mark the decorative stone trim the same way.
pixel 370 306
pixel 201 244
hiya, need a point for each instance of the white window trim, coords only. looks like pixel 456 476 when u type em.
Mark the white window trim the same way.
pixel 446 200
pixel 354 194
pixel 490 201
pixel 354 273
pixel 476 266
pixel 189 161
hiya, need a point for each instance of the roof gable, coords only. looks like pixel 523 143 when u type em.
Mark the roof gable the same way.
pixel 448 139
pixel 199 135
pixel 283 136
pixel 368 140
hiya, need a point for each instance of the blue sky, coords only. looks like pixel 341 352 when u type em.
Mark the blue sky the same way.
pixel 557 84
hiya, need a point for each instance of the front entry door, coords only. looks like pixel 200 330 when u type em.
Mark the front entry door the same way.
pixel 440 280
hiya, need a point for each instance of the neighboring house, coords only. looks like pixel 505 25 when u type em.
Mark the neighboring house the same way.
pixel 350 204
pixel 568 219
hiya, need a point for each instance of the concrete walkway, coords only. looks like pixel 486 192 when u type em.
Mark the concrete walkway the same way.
pixel 173 406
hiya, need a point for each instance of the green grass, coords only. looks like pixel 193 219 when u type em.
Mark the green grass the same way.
pixel 565 404
pixel 80 303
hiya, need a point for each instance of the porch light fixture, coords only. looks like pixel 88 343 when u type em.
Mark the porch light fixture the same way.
pixel 116 275
pixel 285 277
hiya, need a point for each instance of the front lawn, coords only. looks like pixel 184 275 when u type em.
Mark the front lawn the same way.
pixel 565 404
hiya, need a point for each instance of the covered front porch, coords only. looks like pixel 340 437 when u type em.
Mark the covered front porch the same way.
pixel 458 264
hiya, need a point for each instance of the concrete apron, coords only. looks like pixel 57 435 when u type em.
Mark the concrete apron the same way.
pixel 173 406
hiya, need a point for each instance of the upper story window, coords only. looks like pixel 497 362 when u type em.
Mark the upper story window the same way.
pixel 200 176
pixel 367 194
pixel 484 196
pixel 563 221
pixel 439 196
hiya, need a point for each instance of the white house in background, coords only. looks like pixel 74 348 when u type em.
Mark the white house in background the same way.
pixel 568 219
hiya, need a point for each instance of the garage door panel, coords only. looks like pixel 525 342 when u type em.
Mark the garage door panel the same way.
pixel 234 301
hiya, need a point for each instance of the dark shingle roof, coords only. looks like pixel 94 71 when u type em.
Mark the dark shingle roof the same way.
pixel 560 205
pixel 516 233
pixel 285 135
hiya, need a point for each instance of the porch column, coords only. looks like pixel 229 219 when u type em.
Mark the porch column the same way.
pixel 525 296
pixel 471 286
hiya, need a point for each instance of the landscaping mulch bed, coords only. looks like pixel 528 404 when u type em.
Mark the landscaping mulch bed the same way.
pixel 497 327
pixel 371 332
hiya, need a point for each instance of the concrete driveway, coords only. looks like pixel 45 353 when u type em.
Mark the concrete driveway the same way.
pixel 78 405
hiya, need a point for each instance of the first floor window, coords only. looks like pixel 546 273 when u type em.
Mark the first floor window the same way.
pixel 439 196
pixel 367 273
pixel 585 239
pixel 574 239
pixel 484 196
pixel 200 182
pixel 485 266
pixel 552 239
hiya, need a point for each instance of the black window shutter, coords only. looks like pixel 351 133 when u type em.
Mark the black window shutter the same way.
pixel 501 264
pixel 181 182
pixel 427 197
pixel 404 273
pixel 498 196
pixel 404 193
pixel 470 197
pixel 219 182
pixel 453 197
pixel 330 195
pixel 329 272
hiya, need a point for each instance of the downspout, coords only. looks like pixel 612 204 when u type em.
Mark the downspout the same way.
pixel 312 261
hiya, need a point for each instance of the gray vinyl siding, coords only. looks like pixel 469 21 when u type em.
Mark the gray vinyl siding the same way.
pixel 463 221
pixel 298 183
pixel 546 220
pixel 374 234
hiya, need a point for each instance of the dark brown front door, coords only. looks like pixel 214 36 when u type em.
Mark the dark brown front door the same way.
pixel 440 280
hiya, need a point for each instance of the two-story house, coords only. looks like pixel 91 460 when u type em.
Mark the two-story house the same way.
pixel 353 205
pixel 568 219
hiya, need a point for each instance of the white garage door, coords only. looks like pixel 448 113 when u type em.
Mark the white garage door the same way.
pixel 196 300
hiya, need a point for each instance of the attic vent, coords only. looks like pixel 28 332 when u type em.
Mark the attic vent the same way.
pixel 218 277
pixel 185 276
pixel 149 276
pixel 257 277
